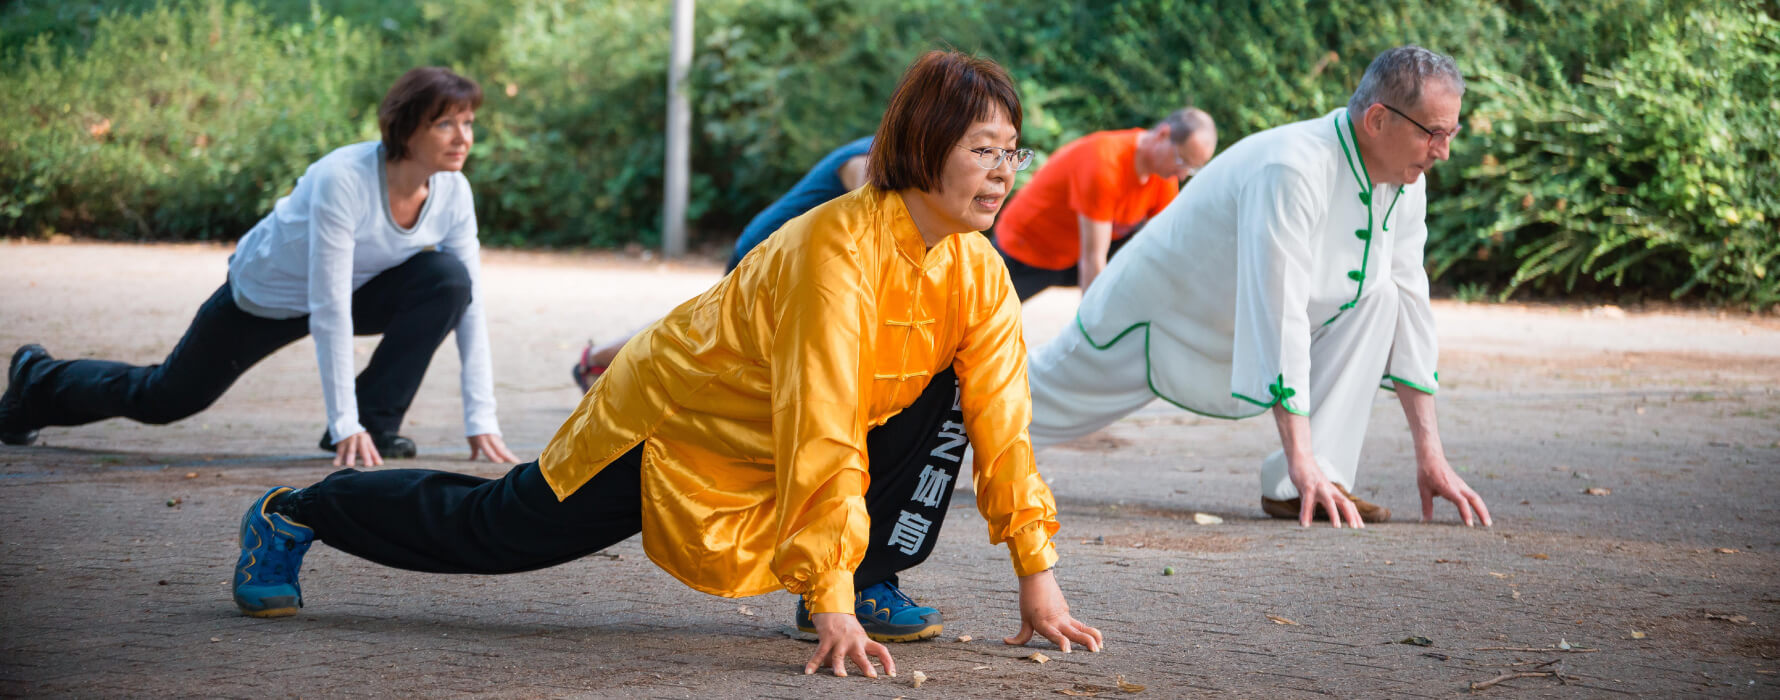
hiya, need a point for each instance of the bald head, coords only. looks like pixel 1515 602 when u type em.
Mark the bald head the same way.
pixel 1183 123
pixel 1191 139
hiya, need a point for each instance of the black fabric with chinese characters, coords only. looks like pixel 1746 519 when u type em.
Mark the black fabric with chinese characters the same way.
pixel 443 522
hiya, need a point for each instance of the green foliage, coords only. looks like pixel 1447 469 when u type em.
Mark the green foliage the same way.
pixel 789 80
pixel 1471 292
pixel 1651 169
pixel 1621 147
pixel 176 123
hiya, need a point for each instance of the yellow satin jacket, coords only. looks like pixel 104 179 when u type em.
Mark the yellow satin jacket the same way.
pixel 752 402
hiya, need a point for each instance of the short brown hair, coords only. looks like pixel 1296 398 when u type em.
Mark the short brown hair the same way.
pixel 420 96
pixel 940 96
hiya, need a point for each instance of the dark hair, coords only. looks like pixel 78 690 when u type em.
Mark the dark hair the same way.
pixel 420 96
pixel 940 96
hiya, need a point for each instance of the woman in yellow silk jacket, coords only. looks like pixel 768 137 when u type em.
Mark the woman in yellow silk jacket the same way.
pixel 798 426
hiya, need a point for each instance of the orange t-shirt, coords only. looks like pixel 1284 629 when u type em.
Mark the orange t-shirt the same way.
pixel 1095 176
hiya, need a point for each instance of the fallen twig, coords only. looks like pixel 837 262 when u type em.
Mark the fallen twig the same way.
pixel 1511 675
pixel 1571 650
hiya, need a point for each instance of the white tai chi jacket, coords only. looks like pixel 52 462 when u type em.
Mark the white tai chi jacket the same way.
pixel 1276 238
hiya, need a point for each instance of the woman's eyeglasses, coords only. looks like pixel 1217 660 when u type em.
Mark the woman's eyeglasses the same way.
pixel 991 157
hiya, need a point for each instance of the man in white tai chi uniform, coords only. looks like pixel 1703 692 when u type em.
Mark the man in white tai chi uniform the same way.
pixel 1286 277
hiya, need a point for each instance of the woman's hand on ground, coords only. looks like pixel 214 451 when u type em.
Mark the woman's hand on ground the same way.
pixel 1043 610
pixel 357 446
pixel 489 445
pixel 839 638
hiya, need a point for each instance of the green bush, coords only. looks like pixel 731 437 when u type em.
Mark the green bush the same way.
pixel 1649 170
pixel 177 123
pixel 1617 148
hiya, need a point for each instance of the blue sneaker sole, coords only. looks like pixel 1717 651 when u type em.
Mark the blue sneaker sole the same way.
pixel 270 606
pixel 256 600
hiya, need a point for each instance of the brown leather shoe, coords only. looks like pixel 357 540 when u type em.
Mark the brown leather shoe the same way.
pixel 1288 509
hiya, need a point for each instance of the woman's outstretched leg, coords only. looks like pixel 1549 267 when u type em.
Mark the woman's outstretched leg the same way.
pixel 220 345
pixel 433 521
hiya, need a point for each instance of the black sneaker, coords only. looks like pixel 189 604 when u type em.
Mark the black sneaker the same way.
pixel 15 429
pixel 389 445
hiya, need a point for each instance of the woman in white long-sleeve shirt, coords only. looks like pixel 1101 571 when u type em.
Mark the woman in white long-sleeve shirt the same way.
pixel 376 238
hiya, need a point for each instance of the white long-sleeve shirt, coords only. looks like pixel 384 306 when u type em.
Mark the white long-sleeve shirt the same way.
pixel 330 236
pixel 1274 239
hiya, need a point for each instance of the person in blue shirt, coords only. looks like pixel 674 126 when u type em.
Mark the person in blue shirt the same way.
pixel 839 172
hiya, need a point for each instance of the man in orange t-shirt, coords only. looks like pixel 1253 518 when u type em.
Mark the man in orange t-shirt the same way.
pixel 1093 194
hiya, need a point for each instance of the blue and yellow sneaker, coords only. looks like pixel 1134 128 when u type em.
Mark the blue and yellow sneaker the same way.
pixel 272 548
pixel 886 614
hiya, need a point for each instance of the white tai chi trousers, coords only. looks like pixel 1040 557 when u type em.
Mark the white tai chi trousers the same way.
pixel 1078 389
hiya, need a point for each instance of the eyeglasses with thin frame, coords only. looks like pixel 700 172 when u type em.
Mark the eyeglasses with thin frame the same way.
pixel 1434 135
pixel 1185 170
pixel 991 157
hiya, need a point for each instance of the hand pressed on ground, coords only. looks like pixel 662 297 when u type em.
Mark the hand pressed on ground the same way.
pixel 1434 477
pixel 1315 489
pixel 489 445
pixel 357 446
pixel 1043 610
pixel 840 638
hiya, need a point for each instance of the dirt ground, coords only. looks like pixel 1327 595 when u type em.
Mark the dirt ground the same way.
pixel 116 539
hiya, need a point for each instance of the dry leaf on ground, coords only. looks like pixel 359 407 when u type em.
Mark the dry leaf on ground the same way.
pixel 1207 519
pixel 1282 621
pixel 1128 687
pixel 1540 556
pixel 1598 491
pixel 1038 658
pixel 964 638
pixel 1725 550
pixel 1416 641
pixel 1638 635
pixel 918 679
pixel 1733 619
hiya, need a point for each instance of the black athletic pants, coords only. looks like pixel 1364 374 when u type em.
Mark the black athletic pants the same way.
pixel 414 305
pixel 443 522
pixel 1029 280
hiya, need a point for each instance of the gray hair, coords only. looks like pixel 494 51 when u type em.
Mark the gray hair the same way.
pixel 1396 78
pixel 1184 122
